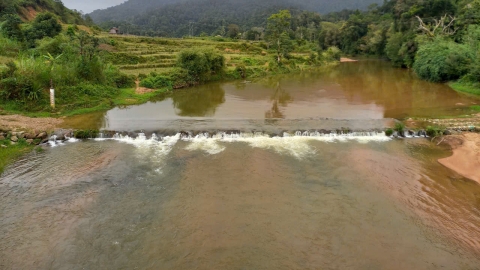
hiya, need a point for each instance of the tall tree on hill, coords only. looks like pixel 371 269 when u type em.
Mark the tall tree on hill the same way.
pixel 277 26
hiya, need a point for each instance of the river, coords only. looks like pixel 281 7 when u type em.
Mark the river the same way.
pixel 263 189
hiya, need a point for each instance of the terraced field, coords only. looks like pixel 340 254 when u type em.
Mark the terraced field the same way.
pixel 142 55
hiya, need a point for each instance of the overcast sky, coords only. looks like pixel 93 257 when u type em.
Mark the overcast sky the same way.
pixel 88 6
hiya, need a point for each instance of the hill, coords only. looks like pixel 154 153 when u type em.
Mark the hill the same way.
pixel 128 9
pixel 28 10
pixel 183 17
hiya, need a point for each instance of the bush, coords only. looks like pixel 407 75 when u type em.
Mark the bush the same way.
pixel 85 134
pixel 117 79
pixel 241 70
pixel 434 131
pixel 399 127
pixel 331 54
pixel 155 81
pixel 441 60
pixel 389 132
pixel 201 64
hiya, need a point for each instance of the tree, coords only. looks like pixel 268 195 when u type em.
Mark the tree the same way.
pixel 277 27
pixel 11 27
pixel 444 26
pixel 200 64
pixel 44 25
pixel 233 31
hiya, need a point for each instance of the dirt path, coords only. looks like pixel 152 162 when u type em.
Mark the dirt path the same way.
pixel 466 155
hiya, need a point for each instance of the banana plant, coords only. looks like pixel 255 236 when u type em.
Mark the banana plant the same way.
pixel 52 60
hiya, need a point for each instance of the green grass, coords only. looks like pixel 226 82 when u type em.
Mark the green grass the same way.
pixel 475 108
pixel 12 152
pixel 129 97
pixel 468 88
pixel 126 96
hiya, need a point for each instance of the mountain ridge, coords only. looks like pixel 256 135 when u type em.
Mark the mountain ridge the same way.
pixel 177 18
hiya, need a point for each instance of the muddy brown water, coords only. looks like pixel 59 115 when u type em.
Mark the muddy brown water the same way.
pixel 245 201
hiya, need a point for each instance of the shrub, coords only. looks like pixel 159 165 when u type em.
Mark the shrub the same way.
pixel 434 131
pixel 85 134
pixel 399 127
pixel 201 64
pixel 156 81
pixel 332 54
pixel 241 70
pixel 389 132
pixel 117 79
pixel 441 60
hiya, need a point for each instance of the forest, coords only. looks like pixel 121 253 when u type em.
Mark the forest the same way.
pixel 184 11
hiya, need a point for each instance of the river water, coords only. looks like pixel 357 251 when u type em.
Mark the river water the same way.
pixel 240 200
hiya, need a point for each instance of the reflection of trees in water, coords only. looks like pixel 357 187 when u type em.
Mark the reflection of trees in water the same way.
pixel 200 101
pixel 397 90
pixel 280 97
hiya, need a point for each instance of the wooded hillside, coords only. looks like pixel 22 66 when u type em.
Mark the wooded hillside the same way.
pixel 187 17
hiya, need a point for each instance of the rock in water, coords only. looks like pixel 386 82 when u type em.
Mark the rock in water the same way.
pixel 42 135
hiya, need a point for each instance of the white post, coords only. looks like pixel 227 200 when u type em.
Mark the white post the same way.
pixel 52 98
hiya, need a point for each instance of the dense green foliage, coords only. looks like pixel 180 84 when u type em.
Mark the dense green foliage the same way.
pixel 439 39
pixel 201 65
pixel 441 60
pixel 44 25
pixel 71 62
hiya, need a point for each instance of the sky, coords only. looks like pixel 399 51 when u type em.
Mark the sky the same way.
pixel 88 6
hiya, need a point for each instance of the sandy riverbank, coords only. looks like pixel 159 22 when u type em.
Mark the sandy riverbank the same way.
pixel 466 155
pixel 346 60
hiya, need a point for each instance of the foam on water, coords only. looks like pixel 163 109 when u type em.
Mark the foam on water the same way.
pixel 204 143
pixel 151 150
pixel 297 145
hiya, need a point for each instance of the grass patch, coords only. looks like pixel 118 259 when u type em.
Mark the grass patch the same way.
pixel 12 152
pixel 129 97
pixel 468 88
pixel 475 108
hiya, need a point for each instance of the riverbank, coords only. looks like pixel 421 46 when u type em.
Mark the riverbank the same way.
pixel 468 88
pixel 466 155
pixel 20 134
